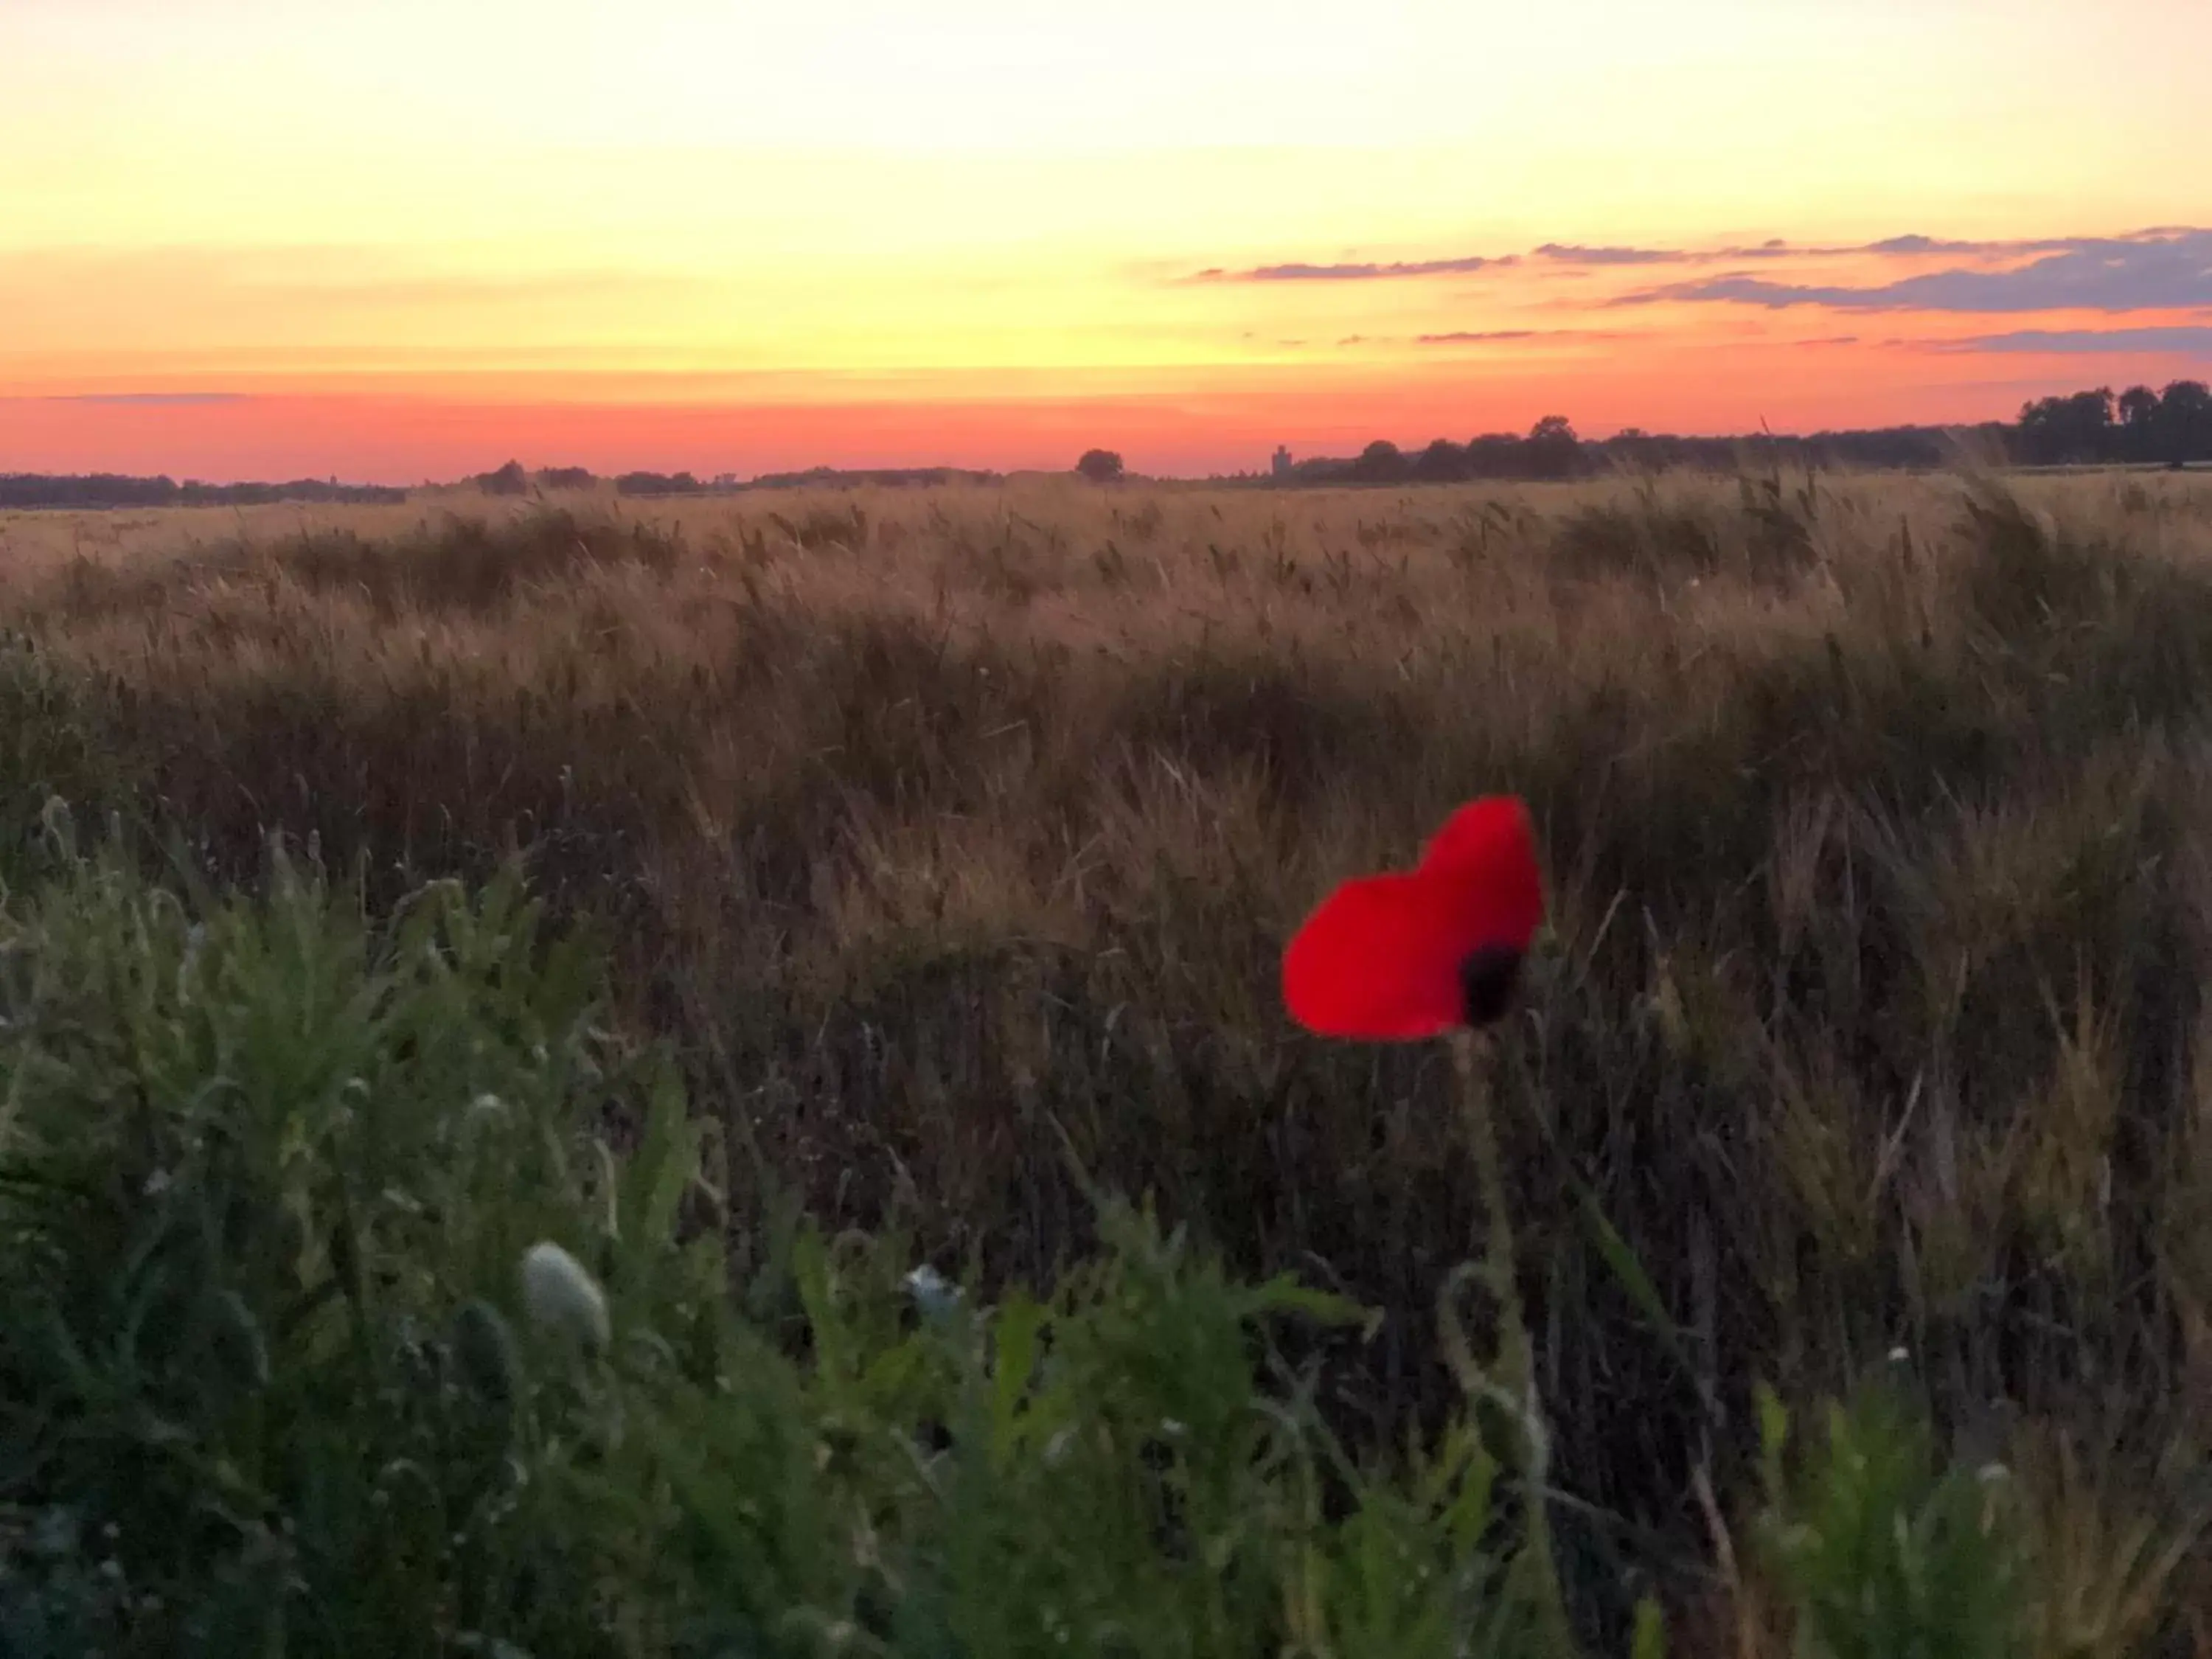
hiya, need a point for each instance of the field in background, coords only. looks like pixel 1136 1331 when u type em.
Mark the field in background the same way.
pixel 951 837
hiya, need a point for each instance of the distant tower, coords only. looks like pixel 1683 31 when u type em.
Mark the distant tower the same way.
pixel 1282 467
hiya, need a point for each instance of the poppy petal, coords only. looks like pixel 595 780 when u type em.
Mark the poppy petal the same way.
pixel 1379 960
pixel 1486 855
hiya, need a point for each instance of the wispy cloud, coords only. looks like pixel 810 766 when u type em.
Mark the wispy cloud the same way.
pixel 459 290
pixel 1574 254
pixel 153 399
pixel 2115 273
pixel 2189 339
pixel 1507 336
pixel 1912 246
pixel 1355 272
pixel 2151 271
pixel 1477 336
pixel 1917 245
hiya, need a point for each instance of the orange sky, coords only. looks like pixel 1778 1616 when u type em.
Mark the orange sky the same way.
pixel 406 240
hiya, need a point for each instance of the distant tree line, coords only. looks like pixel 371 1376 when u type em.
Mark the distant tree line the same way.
pixel 657 484
pixel 891 478
pixel 2140 427
pixel 2174 426
pixel 515 479
pixel 1895 449
pixel 1551 450
pixel 2171 428
pixel 108 489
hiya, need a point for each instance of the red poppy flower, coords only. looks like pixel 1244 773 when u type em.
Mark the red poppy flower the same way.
pixel 1413 954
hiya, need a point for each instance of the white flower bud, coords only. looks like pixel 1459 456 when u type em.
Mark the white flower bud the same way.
pixel 932 1293
pixel 561 1295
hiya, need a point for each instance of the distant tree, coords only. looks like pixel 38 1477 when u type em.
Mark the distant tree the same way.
pixel 655 484
pixel 509 480
pixel 1381 462
pixel 1494 455
pixel 566 478
pixel 2039 433
pixel 2057 431
pixel 1552 450
pixel 2138 407
pixel 2139 424
pixel 1100 465
pixel 1442 462
pixel 2184 419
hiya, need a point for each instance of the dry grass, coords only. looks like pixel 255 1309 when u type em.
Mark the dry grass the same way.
pixel 940 826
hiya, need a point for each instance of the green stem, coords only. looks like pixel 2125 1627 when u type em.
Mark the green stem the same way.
pixel 1515 1368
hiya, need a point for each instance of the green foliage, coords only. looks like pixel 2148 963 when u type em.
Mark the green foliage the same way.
pixel 50 752
pixel 1886 1553
pixel 269 1383
pixel 265 1175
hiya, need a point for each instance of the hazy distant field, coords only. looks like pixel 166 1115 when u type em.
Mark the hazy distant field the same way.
pixel 947 833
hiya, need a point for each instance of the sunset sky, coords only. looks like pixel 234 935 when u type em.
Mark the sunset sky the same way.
pixel 400 239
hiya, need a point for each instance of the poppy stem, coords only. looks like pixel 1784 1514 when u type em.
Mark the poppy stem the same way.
pixel 1515 1368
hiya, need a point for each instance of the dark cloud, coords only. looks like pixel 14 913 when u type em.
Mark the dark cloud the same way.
pixel 2150 271
pixel 2191 339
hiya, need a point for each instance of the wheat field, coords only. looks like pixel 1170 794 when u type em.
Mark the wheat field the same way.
pixel 948 838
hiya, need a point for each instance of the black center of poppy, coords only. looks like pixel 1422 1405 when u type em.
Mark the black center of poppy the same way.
pixel 1487 977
